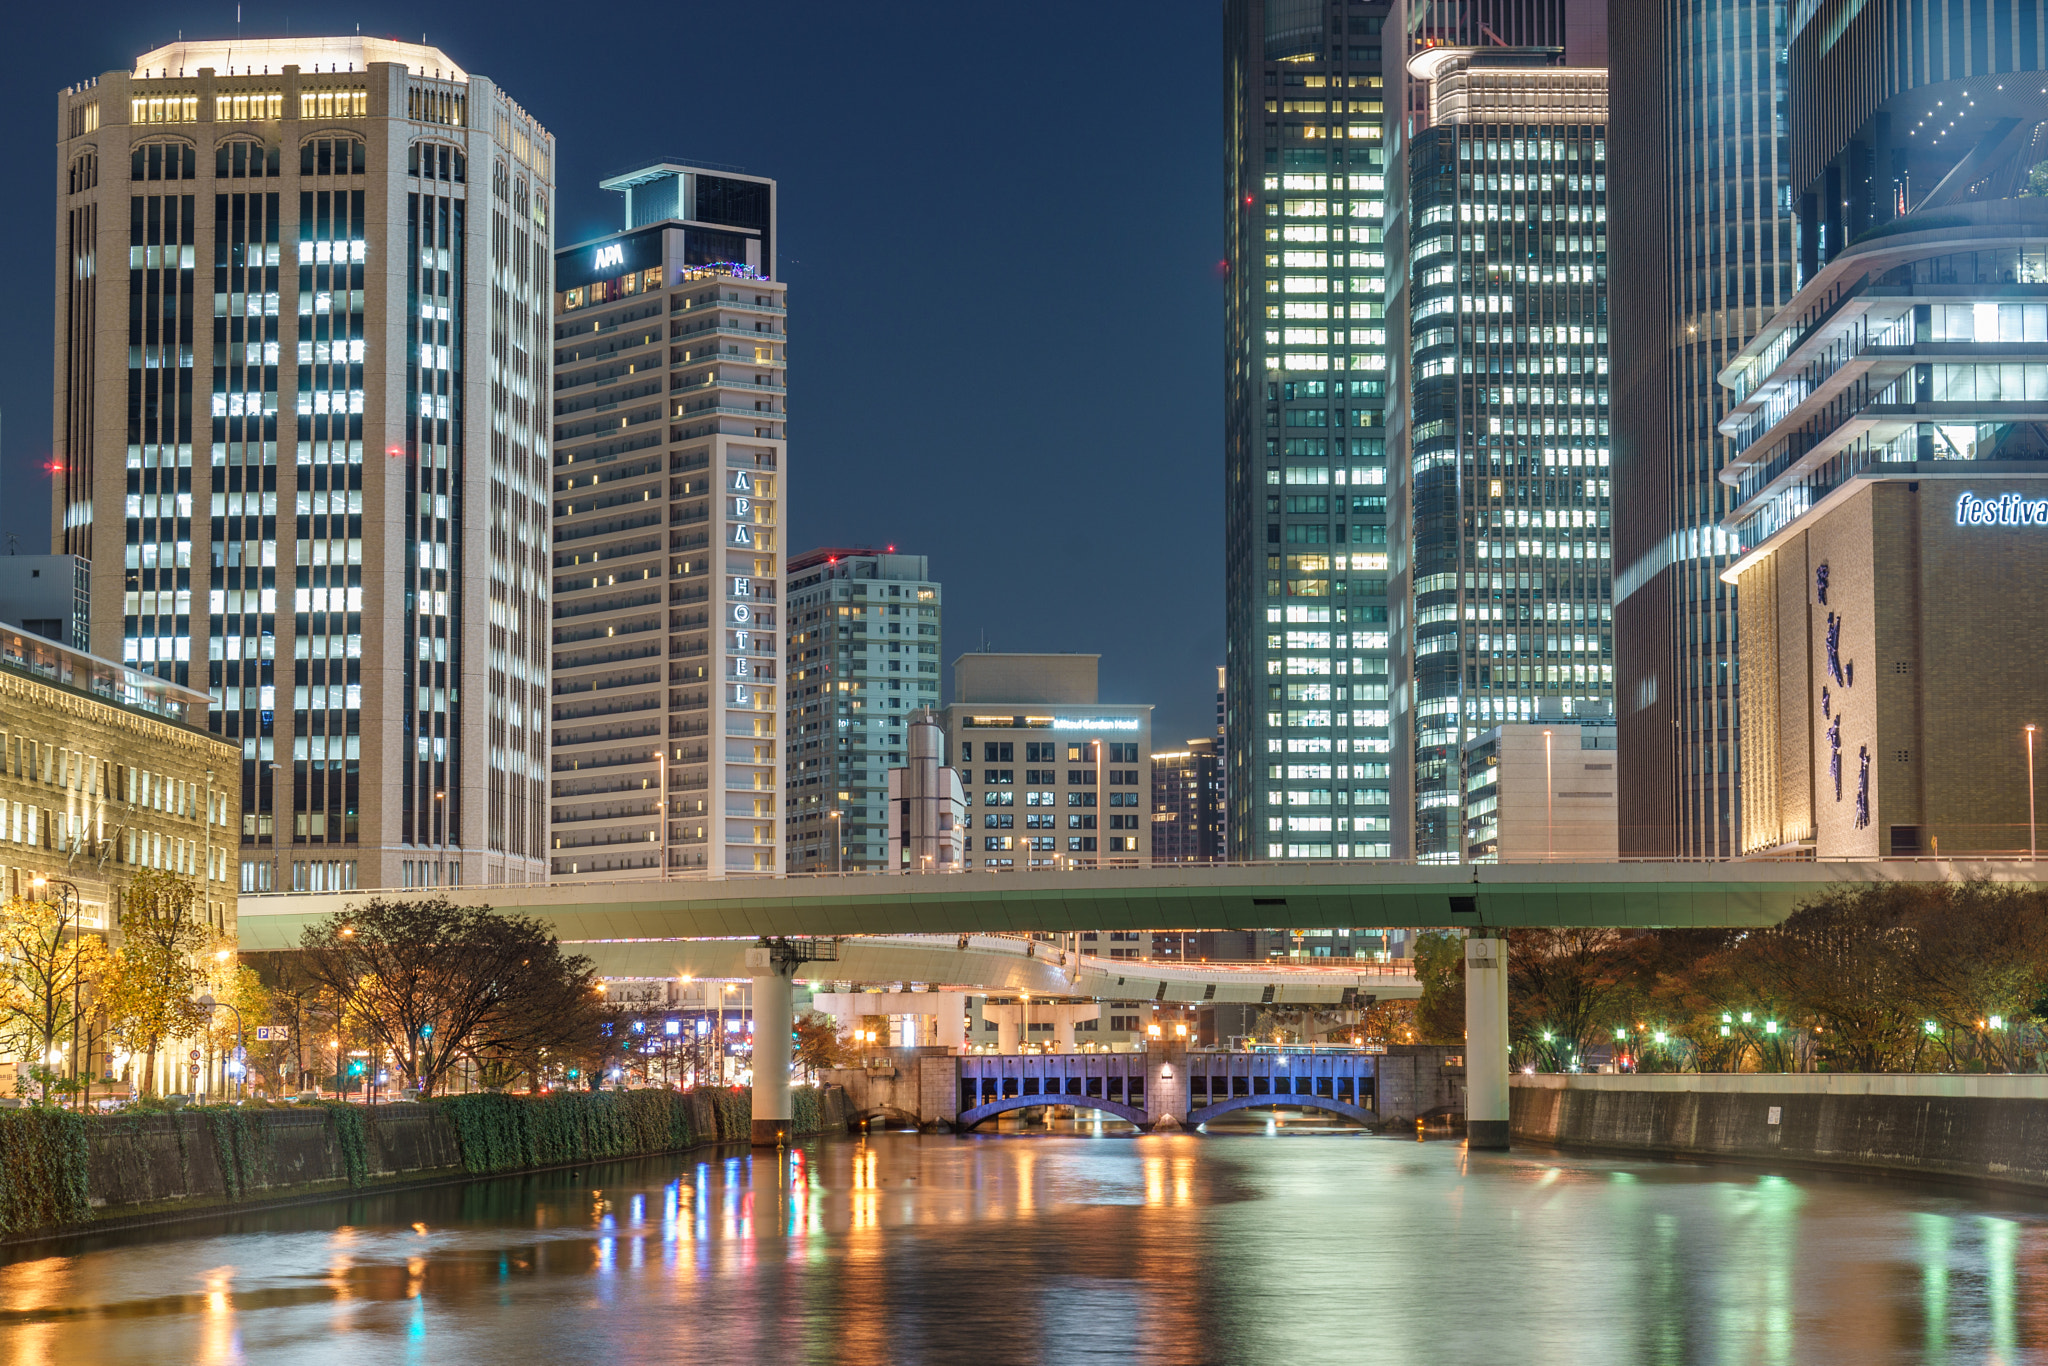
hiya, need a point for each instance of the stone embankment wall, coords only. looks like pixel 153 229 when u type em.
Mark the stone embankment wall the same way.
pixel 1984 1129
pixel 60 1170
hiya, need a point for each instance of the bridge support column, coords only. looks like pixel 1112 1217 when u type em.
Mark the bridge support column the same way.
pixel 774 1007
pixel 952 1022
pixel 1486 1043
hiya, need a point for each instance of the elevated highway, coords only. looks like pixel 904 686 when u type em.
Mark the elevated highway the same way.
pixel 643 928
pixel 1303 896
pixel 1012 963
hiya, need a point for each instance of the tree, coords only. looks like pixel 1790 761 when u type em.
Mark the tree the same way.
pixel 236 985
pixel 47 964
pixel 819 1045
pixel 1843 963
pixel 147 991
pixel 434 983
pixel 1566 988
pixel 1440 969
pixel 1979 952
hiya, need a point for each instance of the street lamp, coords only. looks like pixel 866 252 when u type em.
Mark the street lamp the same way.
pixel 1549 792
pixel 2032 837
pixel 838 844
pixel 209 1004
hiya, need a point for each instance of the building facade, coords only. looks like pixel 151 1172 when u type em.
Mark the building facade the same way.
pixel 290 354
pixel 1053 778
pixel 1501 482
pixel 1305 397
pixel 669 457
pixel 863 658
pixel 106 771
pixel 1187 804
pixel 1542 791
pixel 49 596
pixel 1889 477
pixel 1699 117
pixel 927 805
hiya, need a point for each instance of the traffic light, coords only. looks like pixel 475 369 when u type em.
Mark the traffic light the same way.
pixel 357 1066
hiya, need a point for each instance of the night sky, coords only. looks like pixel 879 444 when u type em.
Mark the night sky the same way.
pixel 1000 227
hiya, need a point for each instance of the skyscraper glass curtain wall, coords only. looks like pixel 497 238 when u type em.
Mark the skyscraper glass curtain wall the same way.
pixel 1305 450
pixel 1501 493
pixel 1699 115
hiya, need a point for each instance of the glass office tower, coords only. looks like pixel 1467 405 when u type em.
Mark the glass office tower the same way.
pixel 1699 118
pixel 1305 374
pixel 1501 471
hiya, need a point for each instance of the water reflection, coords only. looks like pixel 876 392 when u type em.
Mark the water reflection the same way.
pixel 1047 1247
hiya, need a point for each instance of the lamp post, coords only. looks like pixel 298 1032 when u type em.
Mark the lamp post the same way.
pixel 209 1004
pixel 838 843
pixel 1549 794
pixel 2033 851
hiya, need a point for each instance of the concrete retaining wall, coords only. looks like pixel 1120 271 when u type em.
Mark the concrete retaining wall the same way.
pixel 147 1159
pixel 144 1167
pixel 1988 1129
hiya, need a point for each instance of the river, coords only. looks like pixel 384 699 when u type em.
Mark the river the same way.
pixel 1068 1247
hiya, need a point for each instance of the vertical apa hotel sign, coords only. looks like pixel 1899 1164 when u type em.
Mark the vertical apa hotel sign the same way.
pixel 740 593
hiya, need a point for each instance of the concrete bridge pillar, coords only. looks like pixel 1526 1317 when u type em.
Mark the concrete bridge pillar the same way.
pixel 774 1007
pixel 1010 1031
pixel 952 1022
pixel 1486 1042
pixel 1063 1031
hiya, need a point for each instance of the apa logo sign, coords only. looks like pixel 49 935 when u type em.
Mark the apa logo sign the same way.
pixel 613 255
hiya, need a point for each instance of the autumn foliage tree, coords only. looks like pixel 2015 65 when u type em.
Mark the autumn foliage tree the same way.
pixel 434 983
pixel 148 989
pixel 820 1046
pixel 47 964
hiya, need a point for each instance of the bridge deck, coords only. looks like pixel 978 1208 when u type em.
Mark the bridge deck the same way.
pixel 1306 896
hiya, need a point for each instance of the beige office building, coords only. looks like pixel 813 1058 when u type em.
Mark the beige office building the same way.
pixel 668 567
pixel 298 412
pixel 1052 777
pixel 1542 792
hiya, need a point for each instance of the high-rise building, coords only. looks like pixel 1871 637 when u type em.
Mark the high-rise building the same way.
pixel 1064 780
pixel 863 657
pixel 1305 394
pixel 49 595
pixel 668 485
pixel 1498 221
pixel 1187 804
pixel 315 324
pixel 927 804
pixel 1699 119
pixel 1888 435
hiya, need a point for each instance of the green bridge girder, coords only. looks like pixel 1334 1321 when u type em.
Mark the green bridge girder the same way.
pixel 1304 896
